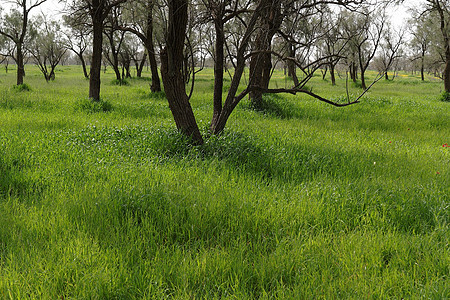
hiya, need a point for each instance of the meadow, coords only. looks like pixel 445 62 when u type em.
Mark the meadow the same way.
pixel 301 200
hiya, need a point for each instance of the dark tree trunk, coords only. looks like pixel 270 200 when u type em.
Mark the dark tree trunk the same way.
pixel 363 79
pixel 232 100
pixel 140 66
pixel 83 65
pixel 218 72
pixel 292 69
pixel 172 71
pixel 332 74
pixel 422 69
pixel 156 83
pixel 261 63
pixel 324 73
pixel 96 64
pixel 20 64
pixel 386 76
pixel 353 72
pixel 447 76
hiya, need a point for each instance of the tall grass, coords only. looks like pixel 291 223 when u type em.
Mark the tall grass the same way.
pixel 299 200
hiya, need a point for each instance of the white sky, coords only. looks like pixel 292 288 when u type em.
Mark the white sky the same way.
pixel 53 8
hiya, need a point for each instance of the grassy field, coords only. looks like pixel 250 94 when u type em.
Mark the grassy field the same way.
pixel 299 201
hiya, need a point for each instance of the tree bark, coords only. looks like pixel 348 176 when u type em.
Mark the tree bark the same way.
pixel 261 63
pixel 218 72
pixel 292 70
pixel 83 65
pixel 332 75
pixel 20 64
pixel 363 79
pixel 156 84
pixel 140 66
pixel 447 76
pixel 172 71
pixel 96 63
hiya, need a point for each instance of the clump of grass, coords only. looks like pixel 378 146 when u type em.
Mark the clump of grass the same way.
pixel 90 106
pixel 22 87
pixel 120 82
pixel 357 84
pixel 445 97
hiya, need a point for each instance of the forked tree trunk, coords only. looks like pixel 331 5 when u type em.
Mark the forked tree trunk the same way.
pixel 172 71
pixel 83 65
pixel 261 63
pixel 140 66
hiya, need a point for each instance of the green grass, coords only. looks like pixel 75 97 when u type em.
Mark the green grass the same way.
pixel 298 201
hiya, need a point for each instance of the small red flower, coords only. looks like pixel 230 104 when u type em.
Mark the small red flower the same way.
pixel 438 172
pixel 446 145
pixel 390 142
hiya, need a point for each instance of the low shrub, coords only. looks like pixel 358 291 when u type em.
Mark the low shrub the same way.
pixel 90 106
pixel 22 87
pixel 445 97
pixel 120 82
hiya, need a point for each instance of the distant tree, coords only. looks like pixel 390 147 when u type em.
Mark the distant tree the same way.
pixel 139 20
pixel 114 41
pixel 15 26
pixel 333 41
pixel 439 11
pixel 48 47
pixel 422 35
pixel 365 30
pixel 98 10
pixel 390 50
pixel 77 38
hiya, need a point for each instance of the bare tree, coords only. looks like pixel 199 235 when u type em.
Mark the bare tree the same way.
pixel 14 26
pixel 365 30
pixel 98 10
pixel 391 49
pixel 139 15
pixel 77 38
pixel 48 48
pixel 440 11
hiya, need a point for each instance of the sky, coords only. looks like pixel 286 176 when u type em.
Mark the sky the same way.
pixel 398 13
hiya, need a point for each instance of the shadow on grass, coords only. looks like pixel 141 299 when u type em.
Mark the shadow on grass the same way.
pixel 276 106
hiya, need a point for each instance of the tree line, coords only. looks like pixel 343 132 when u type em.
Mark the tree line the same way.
pixel 177 37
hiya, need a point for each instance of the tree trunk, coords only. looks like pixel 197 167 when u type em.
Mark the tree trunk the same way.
pixel 172 71
pixel 422 69
pixel 156 83
pixel 292 69
pixel 83 65
pixel 447 76
pixel 20 64
pixel 363 79
pixel 218 72
pixel 261 63
pixel 140 67
pixel 96 64
pixel 324 73
pixel 332 75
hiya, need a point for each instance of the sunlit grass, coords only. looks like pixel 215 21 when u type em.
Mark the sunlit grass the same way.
pixel 299 200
